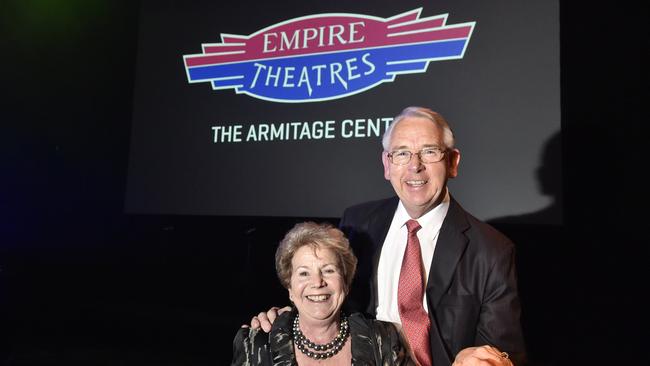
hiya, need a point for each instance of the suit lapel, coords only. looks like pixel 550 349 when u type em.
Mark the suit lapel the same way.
pixel 449 248
pixel 378 225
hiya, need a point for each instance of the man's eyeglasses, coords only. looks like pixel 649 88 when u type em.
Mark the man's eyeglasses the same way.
pixel 427 155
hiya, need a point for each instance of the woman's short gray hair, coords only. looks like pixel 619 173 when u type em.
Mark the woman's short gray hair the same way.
pixel 321 236
pixel 421 112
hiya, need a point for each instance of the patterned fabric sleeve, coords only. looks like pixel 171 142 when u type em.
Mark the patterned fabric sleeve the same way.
pixel 250 348
pixel 391 345
pixel 376 343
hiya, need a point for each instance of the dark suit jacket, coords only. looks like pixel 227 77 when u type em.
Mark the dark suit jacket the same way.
pixel 472 287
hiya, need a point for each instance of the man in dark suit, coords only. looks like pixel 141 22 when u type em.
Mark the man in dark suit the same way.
pixel 465 308
pixel 470 282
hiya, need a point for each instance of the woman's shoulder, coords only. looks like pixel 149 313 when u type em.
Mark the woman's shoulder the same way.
pixel 376 340
pixel 380 332
pixel 358 319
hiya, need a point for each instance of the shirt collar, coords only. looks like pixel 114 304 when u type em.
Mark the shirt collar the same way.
pixel 430 220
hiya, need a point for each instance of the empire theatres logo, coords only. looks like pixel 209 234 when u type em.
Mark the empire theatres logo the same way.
pixel 327 56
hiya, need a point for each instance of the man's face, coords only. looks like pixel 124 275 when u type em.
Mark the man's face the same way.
pixel 420 186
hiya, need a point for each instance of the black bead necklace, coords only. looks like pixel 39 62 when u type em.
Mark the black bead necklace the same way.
pixel 320 351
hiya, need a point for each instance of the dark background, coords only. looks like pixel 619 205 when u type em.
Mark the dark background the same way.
pixel 503 95
pixel 81 283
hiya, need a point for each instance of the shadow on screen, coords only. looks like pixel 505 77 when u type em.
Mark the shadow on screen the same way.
pixel 542 259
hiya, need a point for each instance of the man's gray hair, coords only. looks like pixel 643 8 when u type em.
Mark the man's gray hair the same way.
pixel 421 112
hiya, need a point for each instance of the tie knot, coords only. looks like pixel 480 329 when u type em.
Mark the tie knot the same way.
pixel 413 226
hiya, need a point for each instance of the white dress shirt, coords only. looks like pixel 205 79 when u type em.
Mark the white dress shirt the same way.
pixel 392 253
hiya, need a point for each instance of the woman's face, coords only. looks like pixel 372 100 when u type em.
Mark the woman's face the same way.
pixel 317 285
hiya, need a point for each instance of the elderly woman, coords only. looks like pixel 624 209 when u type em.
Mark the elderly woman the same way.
pixel 315 264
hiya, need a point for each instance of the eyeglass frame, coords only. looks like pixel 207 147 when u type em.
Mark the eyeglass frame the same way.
pixel 443 153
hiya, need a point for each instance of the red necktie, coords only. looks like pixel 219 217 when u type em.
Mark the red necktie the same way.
pixel 415 321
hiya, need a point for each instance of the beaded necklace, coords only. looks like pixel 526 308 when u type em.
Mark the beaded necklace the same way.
pixel 320 351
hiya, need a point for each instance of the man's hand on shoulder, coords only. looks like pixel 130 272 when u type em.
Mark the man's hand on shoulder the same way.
pixel 482 356
pixel 265 320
